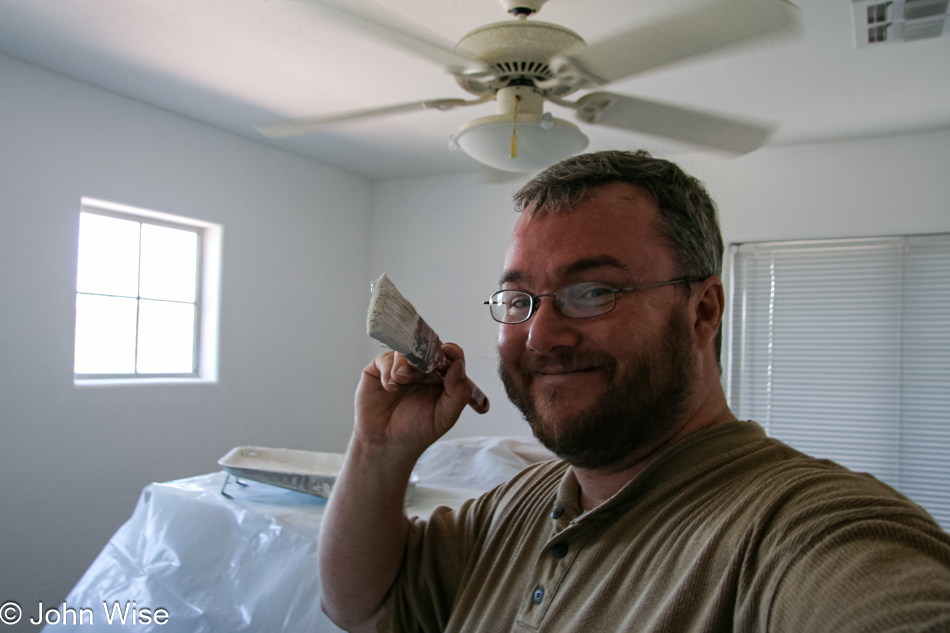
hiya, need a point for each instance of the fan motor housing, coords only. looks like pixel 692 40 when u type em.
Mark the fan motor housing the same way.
pixel 518 51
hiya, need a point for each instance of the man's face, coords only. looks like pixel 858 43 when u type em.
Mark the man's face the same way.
pixel 597 390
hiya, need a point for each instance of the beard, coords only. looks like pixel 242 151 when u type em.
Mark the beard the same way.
pixel 640 407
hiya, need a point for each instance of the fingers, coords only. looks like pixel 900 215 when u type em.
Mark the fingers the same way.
pixel 393 371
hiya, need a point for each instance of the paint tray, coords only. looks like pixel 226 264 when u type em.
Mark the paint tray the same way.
pixel 302 471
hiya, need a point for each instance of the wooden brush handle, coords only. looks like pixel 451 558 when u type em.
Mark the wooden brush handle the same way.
pixel 478 401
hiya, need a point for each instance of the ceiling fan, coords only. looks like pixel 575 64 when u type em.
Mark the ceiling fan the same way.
pixel 522 63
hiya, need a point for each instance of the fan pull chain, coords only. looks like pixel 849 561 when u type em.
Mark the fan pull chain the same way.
pixel 514 134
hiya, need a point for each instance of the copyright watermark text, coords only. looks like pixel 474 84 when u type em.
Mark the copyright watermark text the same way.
pixel 115 613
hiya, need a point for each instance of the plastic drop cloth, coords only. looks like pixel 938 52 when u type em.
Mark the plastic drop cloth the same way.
pixel 219 565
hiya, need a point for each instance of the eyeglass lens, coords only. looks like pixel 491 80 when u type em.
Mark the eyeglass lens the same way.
pixel 580 300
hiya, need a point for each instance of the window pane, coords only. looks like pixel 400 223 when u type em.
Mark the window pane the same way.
pixel 108 255
pixel 169 263
pixel 166 337
pixel 105 335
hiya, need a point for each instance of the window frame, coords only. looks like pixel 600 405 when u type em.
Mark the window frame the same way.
pixel 207 295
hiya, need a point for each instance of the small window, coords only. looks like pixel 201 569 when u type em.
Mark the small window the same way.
pixel 146 295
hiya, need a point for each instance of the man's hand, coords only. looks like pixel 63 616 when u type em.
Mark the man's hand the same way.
pixel 399 407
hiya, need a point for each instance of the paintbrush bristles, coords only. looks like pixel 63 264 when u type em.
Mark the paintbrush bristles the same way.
pixel 393 321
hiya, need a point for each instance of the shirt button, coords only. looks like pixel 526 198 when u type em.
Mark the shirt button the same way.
pixel 538 595
pixel 559 550
pixel 557 513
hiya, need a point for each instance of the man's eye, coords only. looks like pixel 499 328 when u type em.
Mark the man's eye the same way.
pixel 591 293
pixel 595 292
pixel 520 303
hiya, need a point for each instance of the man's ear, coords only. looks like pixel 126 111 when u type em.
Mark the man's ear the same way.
pixel 709 300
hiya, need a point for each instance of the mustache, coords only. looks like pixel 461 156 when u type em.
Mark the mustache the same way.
pixel 567 360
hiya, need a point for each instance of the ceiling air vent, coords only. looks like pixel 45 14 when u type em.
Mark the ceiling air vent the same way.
pixel 881 21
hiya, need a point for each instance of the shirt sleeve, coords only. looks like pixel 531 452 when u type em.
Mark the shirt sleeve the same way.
pixel 860 561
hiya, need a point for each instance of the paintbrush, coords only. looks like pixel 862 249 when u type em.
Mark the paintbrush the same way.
pixel 394 322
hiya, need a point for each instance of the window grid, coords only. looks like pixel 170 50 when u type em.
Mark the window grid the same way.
pixel 195 303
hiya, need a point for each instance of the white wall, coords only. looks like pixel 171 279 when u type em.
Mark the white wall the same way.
pixel 73 460
pixel 880 186
pixel 442 240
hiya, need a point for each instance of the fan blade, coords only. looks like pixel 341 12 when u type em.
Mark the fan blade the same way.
pixel 403 35
pixel 299 127
pixel 710 27
pixel 659 119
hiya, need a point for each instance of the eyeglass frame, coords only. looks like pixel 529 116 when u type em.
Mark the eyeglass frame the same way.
pixel 535 303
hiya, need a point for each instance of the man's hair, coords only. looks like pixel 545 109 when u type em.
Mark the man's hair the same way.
pixel 688 219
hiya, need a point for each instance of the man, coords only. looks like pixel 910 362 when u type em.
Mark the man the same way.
pixel 664 512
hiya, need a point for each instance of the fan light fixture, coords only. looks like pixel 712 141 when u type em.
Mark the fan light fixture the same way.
pixel 488 140
pixel 520 137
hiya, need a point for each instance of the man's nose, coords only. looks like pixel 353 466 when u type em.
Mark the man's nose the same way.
pixel 549 329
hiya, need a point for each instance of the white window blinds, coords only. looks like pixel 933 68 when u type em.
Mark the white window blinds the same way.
pixel 842 349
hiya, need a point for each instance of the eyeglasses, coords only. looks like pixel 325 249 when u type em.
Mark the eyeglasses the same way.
pixel 577 301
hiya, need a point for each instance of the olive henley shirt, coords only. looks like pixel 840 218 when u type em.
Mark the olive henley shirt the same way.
pixel 727 530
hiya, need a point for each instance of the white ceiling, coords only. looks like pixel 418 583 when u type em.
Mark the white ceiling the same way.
pixel 239 63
